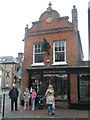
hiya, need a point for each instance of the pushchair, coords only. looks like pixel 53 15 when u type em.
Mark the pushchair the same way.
pixel 40 103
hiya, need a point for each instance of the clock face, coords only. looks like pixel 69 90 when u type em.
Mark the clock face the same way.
pixel 49 20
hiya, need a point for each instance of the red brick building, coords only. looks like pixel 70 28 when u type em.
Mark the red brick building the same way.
pixel 62 66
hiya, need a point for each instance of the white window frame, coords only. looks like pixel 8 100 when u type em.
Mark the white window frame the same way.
pixel 61 62
pixel 36 64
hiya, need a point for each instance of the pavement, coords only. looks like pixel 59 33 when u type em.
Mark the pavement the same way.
pixel 60 113
pixel 37 113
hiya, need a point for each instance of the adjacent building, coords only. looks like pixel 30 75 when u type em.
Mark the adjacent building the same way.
pixel 0 76
pixel 19 75
pixel 8 70
pixel 19 68
pixel 53 54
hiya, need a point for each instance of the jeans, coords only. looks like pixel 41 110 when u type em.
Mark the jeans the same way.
pixel 50 107
pixel 12 102
pixel 33 104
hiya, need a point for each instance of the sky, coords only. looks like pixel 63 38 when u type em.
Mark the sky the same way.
pixel 15 14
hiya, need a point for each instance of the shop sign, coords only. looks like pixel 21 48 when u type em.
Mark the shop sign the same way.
pixel 53 71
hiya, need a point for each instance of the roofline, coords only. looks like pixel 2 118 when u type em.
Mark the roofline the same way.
pixel 80 43
pixel 9 63
pixel 48 12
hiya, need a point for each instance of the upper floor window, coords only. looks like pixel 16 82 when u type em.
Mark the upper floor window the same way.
pixel 38 53
pixel 59 52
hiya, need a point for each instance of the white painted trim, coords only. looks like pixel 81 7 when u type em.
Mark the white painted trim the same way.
pixel 60 63
pixel 33 52
pixel 38 64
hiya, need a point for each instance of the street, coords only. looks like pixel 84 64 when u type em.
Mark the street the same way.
pixel 59 113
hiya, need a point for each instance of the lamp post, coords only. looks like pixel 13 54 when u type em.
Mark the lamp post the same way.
pixel 48 61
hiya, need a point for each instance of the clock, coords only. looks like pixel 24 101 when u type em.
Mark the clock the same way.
pixel 49 20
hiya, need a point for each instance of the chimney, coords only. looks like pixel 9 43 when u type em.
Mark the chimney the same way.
pixel 20 56
pixel 26 30
pixel 75 18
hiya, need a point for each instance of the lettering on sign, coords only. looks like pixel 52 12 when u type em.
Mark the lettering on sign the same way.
pixel 53 72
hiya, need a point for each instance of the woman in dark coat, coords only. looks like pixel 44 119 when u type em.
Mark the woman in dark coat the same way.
pixel 13 94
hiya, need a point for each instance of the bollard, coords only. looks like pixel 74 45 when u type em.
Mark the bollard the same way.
pixel 0 103
pixel 3 105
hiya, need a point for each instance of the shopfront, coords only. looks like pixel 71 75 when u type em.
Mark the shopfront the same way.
pixel 68 91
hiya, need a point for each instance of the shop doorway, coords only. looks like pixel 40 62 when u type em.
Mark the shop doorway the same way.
pixel 60 85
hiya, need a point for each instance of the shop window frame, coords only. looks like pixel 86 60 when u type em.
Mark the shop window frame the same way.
pixel 82 96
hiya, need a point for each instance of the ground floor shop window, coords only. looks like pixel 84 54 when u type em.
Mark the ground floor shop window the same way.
pixel 84 86
pixel 60 83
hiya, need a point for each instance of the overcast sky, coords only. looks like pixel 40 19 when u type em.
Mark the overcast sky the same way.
pixel 15 14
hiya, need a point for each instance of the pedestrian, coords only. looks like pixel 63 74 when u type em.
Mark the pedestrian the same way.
pixel 26 98
pixel 33 98
pixel 13 94
pixel 42 91
pixel 49 99
pixel 34 86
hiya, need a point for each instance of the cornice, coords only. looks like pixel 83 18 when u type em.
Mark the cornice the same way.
pixel 51 31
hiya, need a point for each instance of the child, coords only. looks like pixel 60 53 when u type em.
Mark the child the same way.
pixel 33 98
pixel 53 101
pixel 26 98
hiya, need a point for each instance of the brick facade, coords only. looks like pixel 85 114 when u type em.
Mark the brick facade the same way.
pixel 53 27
